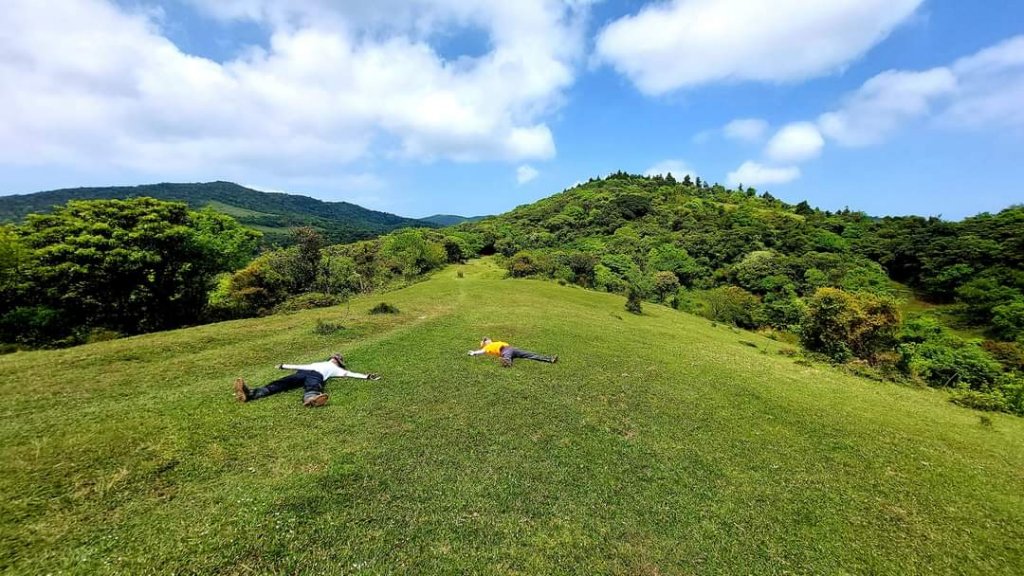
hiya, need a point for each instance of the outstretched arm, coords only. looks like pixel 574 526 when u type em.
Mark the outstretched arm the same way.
pixel 370 376
pixel 476 352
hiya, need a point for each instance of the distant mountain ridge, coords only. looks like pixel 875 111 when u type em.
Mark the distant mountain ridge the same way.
pixel 450 219
pixel 273 213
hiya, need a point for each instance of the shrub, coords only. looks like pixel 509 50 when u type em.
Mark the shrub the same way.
pixel 949 362
pixel 993 401
pixel 524 264
pixel 384 308
pixel 841 324
pixel 324 328
pixel 32 325
pixel 1013 391
pixel 1009 354
pixel 310 301
pixel 732 305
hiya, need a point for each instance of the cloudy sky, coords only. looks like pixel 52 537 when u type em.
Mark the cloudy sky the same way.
pixel 476 106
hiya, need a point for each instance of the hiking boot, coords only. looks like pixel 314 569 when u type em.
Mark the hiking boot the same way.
pixel 506 362
pixel 315 401
pixel 554 359
pixel 242 392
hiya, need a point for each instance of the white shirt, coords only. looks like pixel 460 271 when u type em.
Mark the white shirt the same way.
pixel 326 369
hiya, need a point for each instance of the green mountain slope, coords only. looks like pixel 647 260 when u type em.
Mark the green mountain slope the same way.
pixel 659 444
pixel 273 213
pixel 450 219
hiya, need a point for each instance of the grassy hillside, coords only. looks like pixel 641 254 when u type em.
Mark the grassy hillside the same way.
pixel 659 444
pixel 273 213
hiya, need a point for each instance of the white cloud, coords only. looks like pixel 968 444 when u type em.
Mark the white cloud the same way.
pixel 981 91
pixel 884 103
pixel 796 142
pixel 339 81
pixel 746 129
pixel 755 174
pixel 677 168
pixel 991 87
pixel 683 43
pixel 526 173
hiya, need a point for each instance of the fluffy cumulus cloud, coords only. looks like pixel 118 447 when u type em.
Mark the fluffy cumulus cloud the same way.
pixel 337 81
pixel 796 142
pixel 526 173
pixel 756 174
pixel 746 129
pixel 683 43
pixel 677 168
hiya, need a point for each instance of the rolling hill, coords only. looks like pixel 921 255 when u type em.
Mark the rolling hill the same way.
pixel 451 219
pixel 273 213
pixel 659 444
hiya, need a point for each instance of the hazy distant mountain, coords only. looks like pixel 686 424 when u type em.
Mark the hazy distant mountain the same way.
pixel 450 219
pixel 273 213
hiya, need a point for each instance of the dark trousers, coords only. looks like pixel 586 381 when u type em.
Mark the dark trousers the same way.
pixel 312 382
pixel 510 352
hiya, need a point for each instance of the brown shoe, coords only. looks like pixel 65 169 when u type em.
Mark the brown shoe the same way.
pixel 506 362
pixel 315 401
pixel 555 359
pixel 241 390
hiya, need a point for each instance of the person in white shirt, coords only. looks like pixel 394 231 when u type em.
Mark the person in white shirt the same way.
pixel 310 376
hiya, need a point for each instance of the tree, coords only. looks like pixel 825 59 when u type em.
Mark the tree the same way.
pixel 803 208
pixel 132 265
pixel 842 324
pixel 308 241
pixel 665 284
pixel 634 299
pixel 1008 320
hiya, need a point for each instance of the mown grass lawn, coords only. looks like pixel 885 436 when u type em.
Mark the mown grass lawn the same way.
pixel 659 444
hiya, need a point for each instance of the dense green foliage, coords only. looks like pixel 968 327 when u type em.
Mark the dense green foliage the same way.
pixel 450 219
pixel 128 266
pixel 273 213
pixel 342 270
pixel 657 445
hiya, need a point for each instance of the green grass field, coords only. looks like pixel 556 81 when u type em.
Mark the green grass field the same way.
pixel 659 444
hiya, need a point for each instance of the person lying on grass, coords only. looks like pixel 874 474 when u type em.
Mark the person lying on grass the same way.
pixel 310 376
pixel 507 352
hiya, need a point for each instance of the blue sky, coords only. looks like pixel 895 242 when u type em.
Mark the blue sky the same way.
pixel 473 107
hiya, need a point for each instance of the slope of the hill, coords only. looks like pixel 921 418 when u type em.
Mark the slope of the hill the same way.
pixel 659 444
pixel 273 213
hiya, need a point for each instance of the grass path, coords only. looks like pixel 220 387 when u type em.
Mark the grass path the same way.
pixel 657 445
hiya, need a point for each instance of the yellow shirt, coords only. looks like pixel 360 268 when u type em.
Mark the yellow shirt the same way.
pixel 494 348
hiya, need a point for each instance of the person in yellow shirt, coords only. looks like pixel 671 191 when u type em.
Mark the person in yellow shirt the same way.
pixel 507 352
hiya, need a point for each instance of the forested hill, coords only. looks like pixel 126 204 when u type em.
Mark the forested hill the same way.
pixel 451 219
pixel 273 213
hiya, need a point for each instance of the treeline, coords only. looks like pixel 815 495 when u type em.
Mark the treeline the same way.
pixel 100 269
pixel 310 274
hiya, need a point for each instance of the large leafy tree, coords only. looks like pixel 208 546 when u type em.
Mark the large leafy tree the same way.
pixel 132 265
